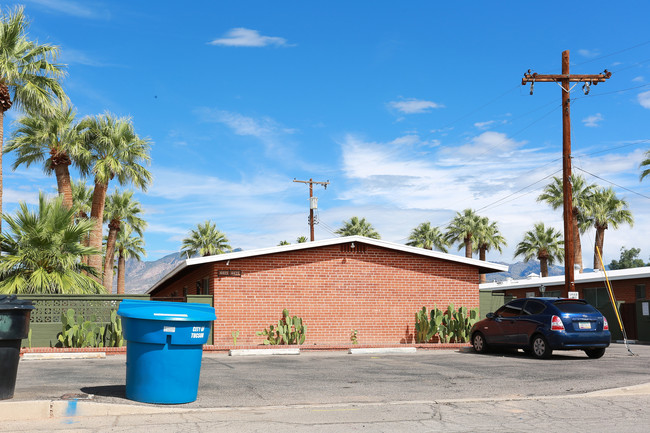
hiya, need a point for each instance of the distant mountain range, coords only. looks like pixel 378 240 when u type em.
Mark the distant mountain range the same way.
pixel 140 276
pixel 521 270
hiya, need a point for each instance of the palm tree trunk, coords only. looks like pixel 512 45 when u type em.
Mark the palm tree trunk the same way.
pixel 481 255
pixel 97 215
pixel 63 184
pixel 109 258
pixel 121 266
pixel 543 265
pixel 598 246
pixel 468 247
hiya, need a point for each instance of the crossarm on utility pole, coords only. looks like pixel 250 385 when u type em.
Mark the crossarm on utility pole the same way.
pixel 311 194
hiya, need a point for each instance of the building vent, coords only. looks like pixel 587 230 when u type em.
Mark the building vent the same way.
pixel 353 247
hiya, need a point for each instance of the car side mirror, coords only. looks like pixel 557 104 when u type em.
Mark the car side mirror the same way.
pixel 490 315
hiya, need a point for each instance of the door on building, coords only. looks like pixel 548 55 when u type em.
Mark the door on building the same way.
pixel 628 316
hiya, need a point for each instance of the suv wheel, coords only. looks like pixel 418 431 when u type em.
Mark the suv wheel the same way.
pixel 540 347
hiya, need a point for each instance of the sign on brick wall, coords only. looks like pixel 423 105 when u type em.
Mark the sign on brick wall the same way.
pixel 229 273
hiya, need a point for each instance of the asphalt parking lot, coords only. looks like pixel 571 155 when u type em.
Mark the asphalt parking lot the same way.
pixel 336 377
pixel 451 391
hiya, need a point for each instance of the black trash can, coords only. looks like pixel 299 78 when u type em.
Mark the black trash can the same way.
pixel 14 326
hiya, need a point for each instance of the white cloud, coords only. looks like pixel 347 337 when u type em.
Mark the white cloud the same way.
pixel 487 145
pixel 644 99
pixel 242 37
pixel 67 7
pixel 484 125
pixel 638 79
pixel 265 129
pixel 73 56
pixel 414 106
pixel 589 53
pixel 593 120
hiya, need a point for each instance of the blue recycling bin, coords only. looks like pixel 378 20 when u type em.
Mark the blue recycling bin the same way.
pixel 164 349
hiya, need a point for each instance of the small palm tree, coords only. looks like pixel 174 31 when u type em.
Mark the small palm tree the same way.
pixel 112 151
pixel 462 230
pixel 121 209
pixel 284 243
pixel 42 252
pixel 544 244
pixel 206 240
pixel 487 237
pixel 358 227
pixel 581 193
pixel 52 140
pixel 128 246
pixel 29 74
pixel 425 236
pixel 301 239
pixel 606 210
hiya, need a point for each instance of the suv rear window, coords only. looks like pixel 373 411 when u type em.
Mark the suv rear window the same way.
pixel 574 307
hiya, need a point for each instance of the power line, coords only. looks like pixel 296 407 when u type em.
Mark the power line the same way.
pixel 610 93
pixel 614 53
pixel 517 192
pixel 612 183
pixel 613 148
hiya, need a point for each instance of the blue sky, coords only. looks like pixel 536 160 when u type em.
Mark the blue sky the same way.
pixel 412 110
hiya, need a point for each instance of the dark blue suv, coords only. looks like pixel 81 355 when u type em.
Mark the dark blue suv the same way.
pixel 541 325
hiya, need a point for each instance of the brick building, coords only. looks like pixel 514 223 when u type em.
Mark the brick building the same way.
pixel 629 287
pixel 334 285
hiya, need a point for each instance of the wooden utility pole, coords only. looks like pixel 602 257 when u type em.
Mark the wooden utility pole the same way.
pixel 564 81
pixel 311 205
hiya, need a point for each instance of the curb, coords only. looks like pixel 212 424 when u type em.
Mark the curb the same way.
pixel 70 355
pixel 257 352
pixel 382 350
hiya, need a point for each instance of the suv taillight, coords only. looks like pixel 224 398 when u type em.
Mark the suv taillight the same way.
pixel 605 324
pixel 556 324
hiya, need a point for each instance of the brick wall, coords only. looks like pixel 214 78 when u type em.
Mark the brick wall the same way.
pixel 334 289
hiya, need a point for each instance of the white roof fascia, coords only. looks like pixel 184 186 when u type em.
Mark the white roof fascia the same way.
pixel 587 277
pixel 493 267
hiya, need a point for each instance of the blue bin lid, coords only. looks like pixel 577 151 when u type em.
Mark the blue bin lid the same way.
pixel 168 311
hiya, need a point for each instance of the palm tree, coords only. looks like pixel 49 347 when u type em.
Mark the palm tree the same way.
pixel 462 229
pixel 121 209
pixel 645 163
pixel 301 239
pixel 543 243
pixel 606 210
pixel 284 243
pixel 206 240
pixel 488 237
pixel 113 151
pixel 358 227
pixel 42 252
pixel 425 236
pixel 581 193
pixel 28 73
pixel 82 198
pixel 128 247
pixel 52 140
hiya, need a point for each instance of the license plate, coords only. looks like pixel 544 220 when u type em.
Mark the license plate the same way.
pixel 584 325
